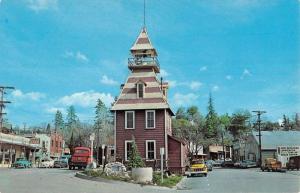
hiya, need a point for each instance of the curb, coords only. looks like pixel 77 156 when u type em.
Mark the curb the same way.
pixel 180 185
pixel 98 179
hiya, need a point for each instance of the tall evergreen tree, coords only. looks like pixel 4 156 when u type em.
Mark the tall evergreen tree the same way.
pixel 212 121
pixel 48 129
pixel 58 121
pixel 72 119
pixel 101 120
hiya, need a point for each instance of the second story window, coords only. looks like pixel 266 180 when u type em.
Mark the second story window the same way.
pixel 129 120
pixel 140 90
pixel 150 119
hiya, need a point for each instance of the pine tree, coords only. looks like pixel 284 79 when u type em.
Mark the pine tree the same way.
pixel 135 160
pixel 71 144
pixel 58 121
pixel 211 119
pixel 72 119
pixel 48 129
pixel 100 121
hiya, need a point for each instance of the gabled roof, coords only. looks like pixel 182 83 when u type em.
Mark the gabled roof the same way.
pixel 143 42
pixel 273 139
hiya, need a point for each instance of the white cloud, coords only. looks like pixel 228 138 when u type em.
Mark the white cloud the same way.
pixel 184 99
pixel 172 83
pixel 35 96
pixel 38 5
pixel 86 99
pixel 228 77
pixel 53 110
pixel 163 73
pixel 108 81
pixel 76 55
pixel 215 88
pixel 203 68
pixel 246 73
pixel 194 85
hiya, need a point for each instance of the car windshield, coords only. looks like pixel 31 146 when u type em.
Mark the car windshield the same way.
pixel 197 162
pixel 81 151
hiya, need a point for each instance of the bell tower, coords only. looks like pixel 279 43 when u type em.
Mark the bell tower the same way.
pixel 144 55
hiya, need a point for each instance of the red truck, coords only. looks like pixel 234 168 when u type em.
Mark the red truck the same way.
pixel 81 158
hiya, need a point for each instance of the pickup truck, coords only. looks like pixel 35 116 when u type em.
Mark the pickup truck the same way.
pixel 272 164
pixel 81 158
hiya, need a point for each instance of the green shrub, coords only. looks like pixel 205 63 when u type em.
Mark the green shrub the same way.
pixel 135 160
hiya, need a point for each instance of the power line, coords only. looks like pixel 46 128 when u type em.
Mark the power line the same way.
pixel 3 102
pixel 259 113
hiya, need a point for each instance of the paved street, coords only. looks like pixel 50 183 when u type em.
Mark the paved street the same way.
pixel 220 180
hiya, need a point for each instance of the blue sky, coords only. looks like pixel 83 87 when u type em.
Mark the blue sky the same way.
pixel 70 52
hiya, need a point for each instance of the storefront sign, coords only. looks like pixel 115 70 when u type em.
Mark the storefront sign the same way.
pixel 288 151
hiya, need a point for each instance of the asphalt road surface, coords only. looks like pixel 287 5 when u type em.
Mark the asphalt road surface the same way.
pixel 220 180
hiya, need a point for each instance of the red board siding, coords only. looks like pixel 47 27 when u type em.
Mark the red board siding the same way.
pixel 145 79
pixel 147 90
pixel 174 150
pixel 140 133
pixel 143 100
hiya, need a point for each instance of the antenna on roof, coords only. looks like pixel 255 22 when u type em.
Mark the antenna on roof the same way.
pixel 144 13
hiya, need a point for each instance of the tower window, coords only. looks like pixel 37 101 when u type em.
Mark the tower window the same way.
pixel 140 90
pixel 129 120
pixel 150 119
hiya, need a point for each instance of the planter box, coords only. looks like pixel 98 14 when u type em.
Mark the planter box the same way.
pixel 143 175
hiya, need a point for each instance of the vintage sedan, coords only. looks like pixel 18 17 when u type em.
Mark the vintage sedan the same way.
pixel 22 163
pixel 197 168
pixel 46 163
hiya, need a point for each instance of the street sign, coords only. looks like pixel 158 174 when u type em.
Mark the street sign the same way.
pixel 162 151
pixel 92 137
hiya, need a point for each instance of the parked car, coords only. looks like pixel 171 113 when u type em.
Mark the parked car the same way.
pixel 227 164
pixel 22 163
pixel 46 163
pixel 294 163
pixel 237 164
pixel 209 164
pixel 81 158
pixel 248 164
pixel 197 168
pixel 217 163
pixel 66 158
pixel 62 163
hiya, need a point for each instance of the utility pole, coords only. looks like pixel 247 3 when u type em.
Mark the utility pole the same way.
pixel 259 113
pixel 2 103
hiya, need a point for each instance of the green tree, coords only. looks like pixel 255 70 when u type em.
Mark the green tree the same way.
pixel 286 123
pixel 72 119
pixel 240 124
pixel 181 114
pixel 135 160
pixel 58 121
pixel 212 121
pixel 71 143
pixel 48 129
pixel 100 121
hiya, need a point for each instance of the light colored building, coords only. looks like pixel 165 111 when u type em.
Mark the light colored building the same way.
pixel 43 141
pixel 271 142
pixel 14 146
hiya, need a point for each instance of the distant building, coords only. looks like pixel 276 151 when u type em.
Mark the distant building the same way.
pixel 43 141
pixel 216 152
pixel 142 112
pixel 13 146
pixel 271 144
pixel 57 145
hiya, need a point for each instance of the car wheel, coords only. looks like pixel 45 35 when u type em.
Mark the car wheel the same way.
pixel 205 175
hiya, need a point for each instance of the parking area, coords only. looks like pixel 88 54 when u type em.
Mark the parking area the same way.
pixel 45 180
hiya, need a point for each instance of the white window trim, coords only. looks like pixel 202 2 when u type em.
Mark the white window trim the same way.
pixel 147 149
pixel 146 120
pixel 137 90
pixel 126 119
pixel 127 141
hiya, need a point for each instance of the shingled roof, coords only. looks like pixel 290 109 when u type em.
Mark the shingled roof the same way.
pixel 143 42
pixel 153 98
